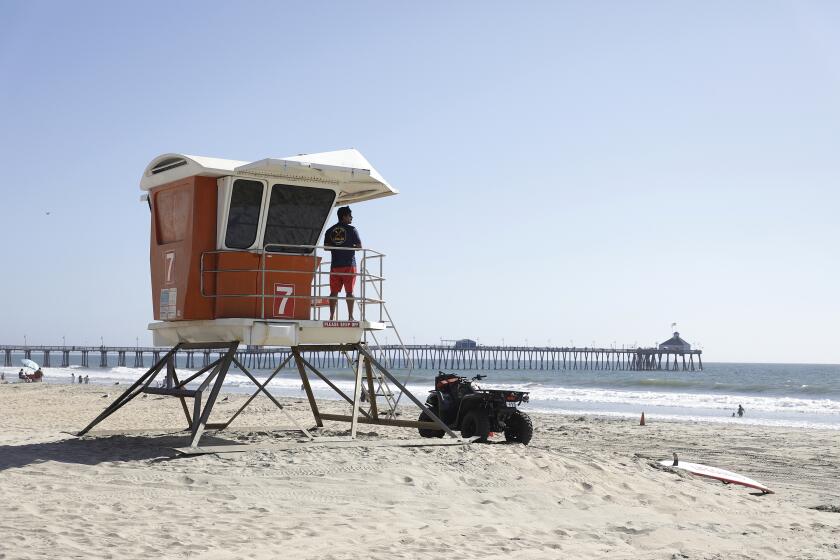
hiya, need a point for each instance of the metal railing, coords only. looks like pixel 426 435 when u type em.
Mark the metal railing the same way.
pixel 367 281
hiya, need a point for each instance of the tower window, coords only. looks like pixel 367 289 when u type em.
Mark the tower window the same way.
pixel 243 214
pixel 296 216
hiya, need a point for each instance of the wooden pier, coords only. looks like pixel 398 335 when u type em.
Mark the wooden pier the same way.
pixel 431 357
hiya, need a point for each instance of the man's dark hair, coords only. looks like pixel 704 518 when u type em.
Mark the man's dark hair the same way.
pixel 344 211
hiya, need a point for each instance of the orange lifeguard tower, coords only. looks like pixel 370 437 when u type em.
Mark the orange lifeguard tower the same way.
pixel 234 259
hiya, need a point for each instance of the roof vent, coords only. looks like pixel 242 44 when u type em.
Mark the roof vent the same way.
pixel 167 164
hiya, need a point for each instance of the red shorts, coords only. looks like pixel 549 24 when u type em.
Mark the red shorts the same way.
pixel 347 279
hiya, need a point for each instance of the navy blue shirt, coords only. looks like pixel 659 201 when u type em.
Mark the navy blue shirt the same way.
pixel 342 235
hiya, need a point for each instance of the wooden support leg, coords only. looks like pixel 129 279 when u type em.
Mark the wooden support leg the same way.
pixel 196 414
pixel 170 371
pixel 183 400
pixel 130 393
pixel 221 372
pixel 182 384
pixel 357 395
pixel 305 381
pixel 371 390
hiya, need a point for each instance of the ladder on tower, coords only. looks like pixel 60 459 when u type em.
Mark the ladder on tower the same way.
pixel 377 387
pixel 382 387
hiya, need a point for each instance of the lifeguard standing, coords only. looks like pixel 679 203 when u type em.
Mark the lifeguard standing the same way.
pixel 234 260
pixel 343 262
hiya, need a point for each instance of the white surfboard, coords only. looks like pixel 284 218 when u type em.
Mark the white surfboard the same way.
pixel 30 364
pixel 728 477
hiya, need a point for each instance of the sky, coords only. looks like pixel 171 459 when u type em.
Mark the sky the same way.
pixel 581 173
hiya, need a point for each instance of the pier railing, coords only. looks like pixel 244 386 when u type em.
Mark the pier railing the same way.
pixel 431 357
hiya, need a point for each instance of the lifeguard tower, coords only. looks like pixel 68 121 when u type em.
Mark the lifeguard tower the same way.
pixel 234 259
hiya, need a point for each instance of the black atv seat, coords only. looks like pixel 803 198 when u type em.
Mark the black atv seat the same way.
pixel 446 382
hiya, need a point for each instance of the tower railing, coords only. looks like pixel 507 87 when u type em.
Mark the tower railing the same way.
pixel 369 278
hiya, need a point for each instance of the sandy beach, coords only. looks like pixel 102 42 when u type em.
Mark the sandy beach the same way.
pixel 586 487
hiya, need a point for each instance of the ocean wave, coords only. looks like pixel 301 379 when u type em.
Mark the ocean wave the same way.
pixel 707 401
pixel 720 398
pixel 776 422
pixel 699 384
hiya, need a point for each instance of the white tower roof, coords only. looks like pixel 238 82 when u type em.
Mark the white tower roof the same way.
pixel 346 170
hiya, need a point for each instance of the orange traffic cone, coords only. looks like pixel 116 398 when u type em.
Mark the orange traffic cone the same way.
pixel 642 421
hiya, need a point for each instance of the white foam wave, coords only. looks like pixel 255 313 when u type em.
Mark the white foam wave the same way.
pixel 721 402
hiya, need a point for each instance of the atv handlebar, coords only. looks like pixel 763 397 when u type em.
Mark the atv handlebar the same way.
pixel 478 377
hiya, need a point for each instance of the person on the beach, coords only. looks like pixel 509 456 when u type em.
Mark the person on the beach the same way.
pixel 72 378
pixel 21 374
pixel 86 379
pixel 740 411
pixel 343 262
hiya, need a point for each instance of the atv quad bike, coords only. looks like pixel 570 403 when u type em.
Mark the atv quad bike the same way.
pixel 465 406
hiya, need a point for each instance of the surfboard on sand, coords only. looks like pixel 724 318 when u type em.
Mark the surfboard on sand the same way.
pixel 728 477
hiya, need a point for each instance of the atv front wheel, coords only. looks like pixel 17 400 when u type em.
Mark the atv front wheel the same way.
pixel 519 428
pixel 428 432
pixel 476 423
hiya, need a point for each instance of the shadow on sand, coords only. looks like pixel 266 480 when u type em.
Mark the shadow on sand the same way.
pixel 96 450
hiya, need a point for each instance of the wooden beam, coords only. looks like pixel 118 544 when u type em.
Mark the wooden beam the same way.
pixel 382 421
pixel 326 380
pixel 371 389
pixel 305 380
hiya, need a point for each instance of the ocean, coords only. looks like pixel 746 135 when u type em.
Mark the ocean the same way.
pixel 796 395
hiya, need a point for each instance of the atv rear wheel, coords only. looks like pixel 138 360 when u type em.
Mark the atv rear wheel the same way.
pixel 476 423
pixel 519 428
pixel 428 432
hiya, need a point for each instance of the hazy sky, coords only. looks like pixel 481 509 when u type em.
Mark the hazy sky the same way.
pixel 570 171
